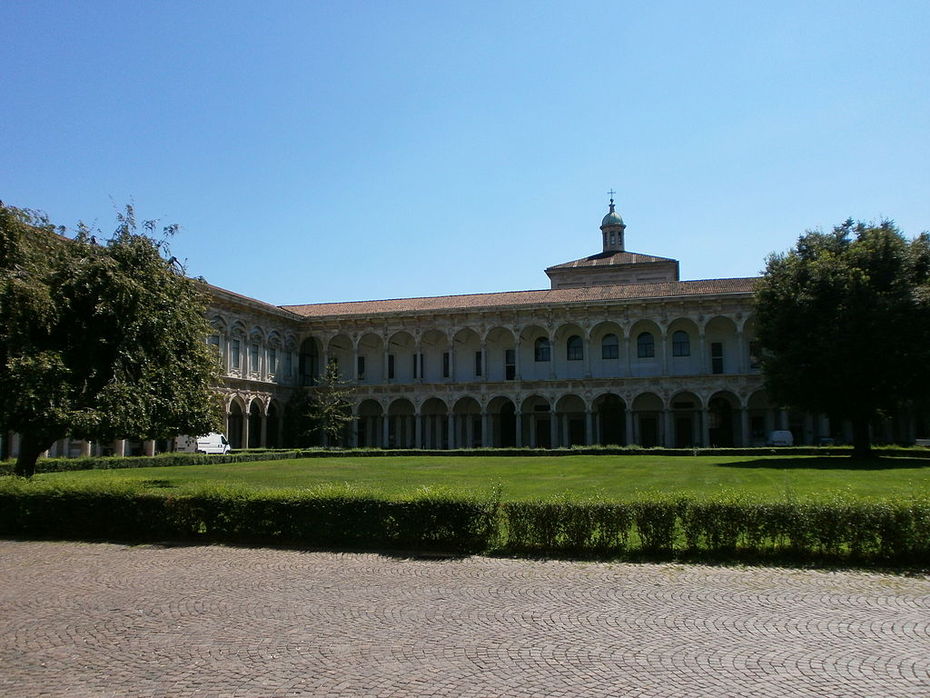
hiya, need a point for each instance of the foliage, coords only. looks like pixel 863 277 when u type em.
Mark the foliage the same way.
pixel 844 323
pixel 727 526
pixel 99 341
pixel 320 414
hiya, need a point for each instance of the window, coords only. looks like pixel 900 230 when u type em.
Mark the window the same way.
pixel 510 364
pixel 415 365
pixel 288 362
pixel 235 353
pixel 272 360
pixel 681 344
pixel 446 362
pixel 645 346
pixel 360 367
pixel 610 347
pixel 755 355
pixel 214 341
pixel 575 348
pixel 477 363
pixel 390 366
pixel 716 357
pixel 541 349
pixel 253 358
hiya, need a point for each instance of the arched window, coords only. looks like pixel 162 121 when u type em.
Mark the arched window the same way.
pixel 610 347
pixel 645 346
pixel 542 350
pixel 575 348
pixel 681 344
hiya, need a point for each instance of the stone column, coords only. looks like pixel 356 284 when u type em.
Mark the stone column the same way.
pixel 518 429
pixel 627 350
pixel 586 348
pixel 148 447
pixel 119 447
pixel 484 361
pixel 516 356
pixel 628 436
pixel 450 422
pixel 552 354
pixel 485 428
pixel 746 439
pixel 702 354
pixel 665 370
pixel 418 361
pixel 245 427
pixel 588 428
pixel 469 430
pixel 668 435
pixel 553 429
pixel 705 427
pixel 355 360
pixel 418 430
pixel 263 437
pixel 386 431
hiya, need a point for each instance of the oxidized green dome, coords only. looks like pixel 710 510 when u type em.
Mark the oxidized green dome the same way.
pixel 612 217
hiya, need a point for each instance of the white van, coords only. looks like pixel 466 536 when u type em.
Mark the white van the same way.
pixel 211 443
pixel 781 438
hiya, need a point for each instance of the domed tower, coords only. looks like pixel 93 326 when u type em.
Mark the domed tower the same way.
pixel 612 228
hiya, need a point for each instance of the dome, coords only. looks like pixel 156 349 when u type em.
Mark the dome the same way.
pixel 612 217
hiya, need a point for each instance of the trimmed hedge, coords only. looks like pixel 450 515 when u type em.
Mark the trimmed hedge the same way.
pixel 729 526
pixel 54 465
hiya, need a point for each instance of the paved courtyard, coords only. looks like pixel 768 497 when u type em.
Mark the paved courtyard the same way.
pixel 80 618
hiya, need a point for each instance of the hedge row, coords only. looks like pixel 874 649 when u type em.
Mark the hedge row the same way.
pixel 52 465
pixel 726 527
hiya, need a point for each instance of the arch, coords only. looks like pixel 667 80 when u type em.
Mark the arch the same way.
pixel 647 423
pixel 234 422
pixel 721 341
pixel 434 416
pixel 685 414
pixel 607 350
pixel 723 420
pixel 309 368
pixel 530 369
pixel 568 351
pixel 467 423
pixel 371 358
pixel 370 416
pixel 466 346
pixel 501 359
pixel 536 420
pixel 434 345
pixel 571 421
pixel 255 425
pixel 340 351
pixel 274 424
pixel 401 348
pixel 503 419
pixel 401 429
pixel 610 419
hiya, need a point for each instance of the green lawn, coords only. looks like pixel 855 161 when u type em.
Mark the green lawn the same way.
pixel 616 477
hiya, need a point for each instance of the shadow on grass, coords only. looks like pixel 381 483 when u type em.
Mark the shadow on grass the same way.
pixel 829 463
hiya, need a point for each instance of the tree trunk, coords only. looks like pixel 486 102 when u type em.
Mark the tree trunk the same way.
pixel 862 444
pixel 29 451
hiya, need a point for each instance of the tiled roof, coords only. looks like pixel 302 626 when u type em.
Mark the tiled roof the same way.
pixel 481 301
pixel 609 259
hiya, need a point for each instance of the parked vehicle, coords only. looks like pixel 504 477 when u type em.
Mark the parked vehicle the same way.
pixel 781 437
pixel 210 443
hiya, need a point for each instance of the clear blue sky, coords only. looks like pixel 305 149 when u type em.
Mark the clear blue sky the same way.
pixel 316 151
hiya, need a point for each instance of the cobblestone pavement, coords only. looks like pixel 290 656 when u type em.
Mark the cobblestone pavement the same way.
pixel 79 618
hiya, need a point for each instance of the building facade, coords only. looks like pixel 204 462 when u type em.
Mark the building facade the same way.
pixel 617 351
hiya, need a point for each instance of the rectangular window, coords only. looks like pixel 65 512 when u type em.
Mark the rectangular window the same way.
pixel 272 360
pixel 390 366
pixel 421 366
pixel 510 364
pixel 235 353
pixel 716 357
pixel 288 363
pixel 360 367
pixel 477 363
pixel 445 364
pixel 253 358
pixel 415 366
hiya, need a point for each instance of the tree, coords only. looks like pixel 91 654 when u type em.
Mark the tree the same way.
pixel 99 341
pixel 844 324
pixel 322 411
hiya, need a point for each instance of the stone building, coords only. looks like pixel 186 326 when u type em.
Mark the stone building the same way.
pixel 617 351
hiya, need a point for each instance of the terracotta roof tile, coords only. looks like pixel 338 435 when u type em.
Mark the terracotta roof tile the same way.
pixel 480 301
pixel 609 259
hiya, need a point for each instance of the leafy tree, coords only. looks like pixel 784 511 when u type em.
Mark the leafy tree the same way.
pixel 99 341
pixel 322 411
pixel 844 323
